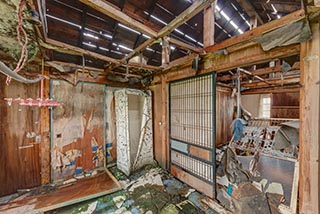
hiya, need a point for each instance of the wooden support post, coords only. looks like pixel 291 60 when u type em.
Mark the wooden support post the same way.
pixel 165 119
pixel 253 22
pixel 45 133
pixel 208 25
pixel 165 52
pixel 310 126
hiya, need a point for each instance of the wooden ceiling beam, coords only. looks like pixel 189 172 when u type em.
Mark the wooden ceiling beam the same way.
pixel 250 10
pixel 288 80
pixel 276 89
pixel 81 51
pixel 249 35
pixel 261 71
pixel 191 11
pixel 115 13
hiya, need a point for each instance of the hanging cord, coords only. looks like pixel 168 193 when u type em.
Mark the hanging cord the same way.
pixel 83 68
pixel 24 52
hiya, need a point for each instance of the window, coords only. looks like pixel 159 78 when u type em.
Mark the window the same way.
pixel 265 106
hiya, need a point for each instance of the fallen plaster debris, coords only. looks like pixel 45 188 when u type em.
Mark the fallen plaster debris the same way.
pixel 258 185
pixel 223 181
pixel 152 177
pixel 170 209
pixel 71 180
pixel 215 206
pixel 264 183
pixel 91 208
pixel 275 188
pixel 119 200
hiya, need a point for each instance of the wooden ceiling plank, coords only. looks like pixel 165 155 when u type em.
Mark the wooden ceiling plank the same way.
pixel 132 23
pixel 249 8
pixel 179 20
pixel 95 55
pixel 118 15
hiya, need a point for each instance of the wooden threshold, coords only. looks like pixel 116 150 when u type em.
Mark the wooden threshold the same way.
pixel 82 190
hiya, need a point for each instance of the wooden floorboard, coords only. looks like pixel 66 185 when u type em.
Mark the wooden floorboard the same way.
pixel 80 191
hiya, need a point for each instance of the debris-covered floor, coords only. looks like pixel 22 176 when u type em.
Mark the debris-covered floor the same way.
pixel 150 190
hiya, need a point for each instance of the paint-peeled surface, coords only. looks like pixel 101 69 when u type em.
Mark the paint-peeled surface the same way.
pixel 77 128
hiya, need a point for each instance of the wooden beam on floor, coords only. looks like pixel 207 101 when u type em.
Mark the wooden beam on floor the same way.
pixel 247 36
pixel 309 174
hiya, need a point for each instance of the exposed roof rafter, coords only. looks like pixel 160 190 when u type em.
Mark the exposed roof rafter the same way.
pixel 115 13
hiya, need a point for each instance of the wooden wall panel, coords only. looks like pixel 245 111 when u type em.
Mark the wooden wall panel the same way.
pixel 285 105
pixel 19 154
pixel 224 118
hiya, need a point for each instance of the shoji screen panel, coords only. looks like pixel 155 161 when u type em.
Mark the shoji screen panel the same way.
pixel 192 132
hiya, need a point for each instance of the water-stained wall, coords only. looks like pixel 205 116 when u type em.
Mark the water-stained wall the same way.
pixel 77 128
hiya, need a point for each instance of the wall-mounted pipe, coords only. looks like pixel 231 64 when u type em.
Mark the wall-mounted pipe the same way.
pixel 8 72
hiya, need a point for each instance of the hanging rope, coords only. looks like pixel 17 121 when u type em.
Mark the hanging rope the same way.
pixel 23 41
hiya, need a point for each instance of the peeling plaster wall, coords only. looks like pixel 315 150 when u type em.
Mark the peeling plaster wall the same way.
pixel 134 129
pixel 77 128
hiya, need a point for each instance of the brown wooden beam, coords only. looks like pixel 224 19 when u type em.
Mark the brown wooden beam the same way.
pixel 249 8
pixel 115 13
pixel 309 150
pixel 261 71
pixel 165 52
pixel 87 69
pixel 288 80
pixel 87 78
pixel 251 56
pixel 209 25
pixel 74 50
pixel 184 46
pixel 191 11
pixel 45 132
pixel 179 62
pixel 249 35
pixel 270 90
pixel 255 76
